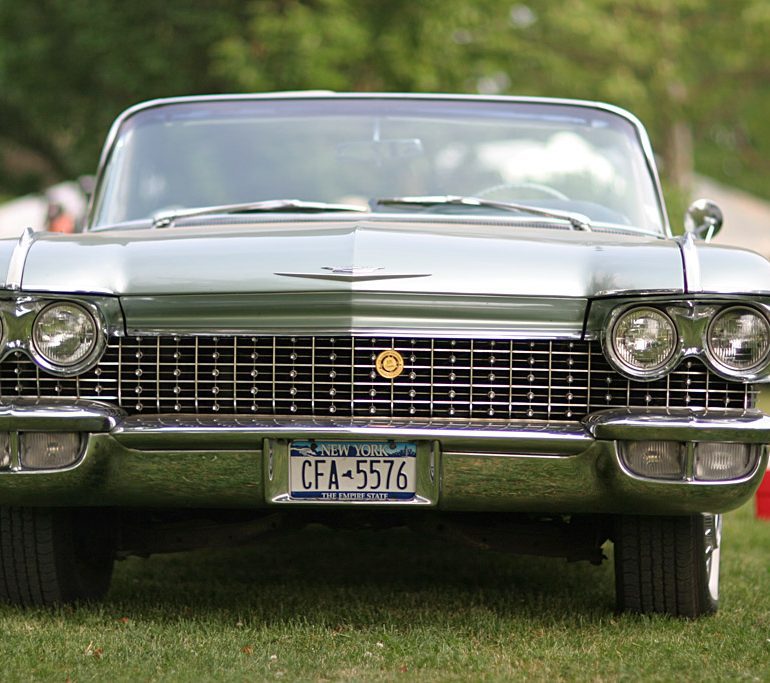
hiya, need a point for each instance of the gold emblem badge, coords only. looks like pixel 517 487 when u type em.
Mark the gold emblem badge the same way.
pixel 389 364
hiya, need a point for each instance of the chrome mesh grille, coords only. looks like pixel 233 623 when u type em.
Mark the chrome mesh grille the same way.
pixel 325 376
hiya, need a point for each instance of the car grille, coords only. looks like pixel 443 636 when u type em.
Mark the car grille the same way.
pixel 335 376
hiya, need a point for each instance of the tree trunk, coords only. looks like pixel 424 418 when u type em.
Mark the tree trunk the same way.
pixel 678 157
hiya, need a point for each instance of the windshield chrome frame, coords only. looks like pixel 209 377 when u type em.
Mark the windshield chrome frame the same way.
pixel 639 128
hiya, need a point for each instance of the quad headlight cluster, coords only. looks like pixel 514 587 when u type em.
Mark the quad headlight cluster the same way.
pixel 645 342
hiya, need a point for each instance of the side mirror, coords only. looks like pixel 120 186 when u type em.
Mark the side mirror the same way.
pixel 703 219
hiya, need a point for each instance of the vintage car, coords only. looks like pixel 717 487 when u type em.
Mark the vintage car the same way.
pixel 467 315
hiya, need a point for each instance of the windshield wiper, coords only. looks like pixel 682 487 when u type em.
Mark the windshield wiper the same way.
pixel 166 219
pixel 578 221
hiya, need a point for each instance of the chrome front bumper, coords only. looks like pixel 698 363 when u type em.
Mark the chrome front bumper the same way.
pixel 223 461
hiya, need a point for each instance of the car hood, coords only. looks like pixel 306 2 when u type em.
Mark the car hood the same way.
pixel 385 257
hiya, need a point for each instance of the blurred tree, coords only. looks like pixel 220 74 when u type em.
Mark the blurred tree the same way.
pixel 683 67
pixel 67 67
pixel 695 71
pixel 366 45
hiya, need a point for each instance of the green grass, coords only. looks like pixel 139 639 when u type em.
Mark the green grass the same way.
pixel 326 606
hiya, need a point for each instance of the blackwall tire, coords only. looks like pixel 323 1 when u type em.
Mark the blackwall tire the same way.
pixel 52 556
pixel 667 565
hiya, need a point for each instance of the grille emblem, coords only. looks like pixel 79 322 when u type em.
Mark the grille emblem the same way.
pixel 389 364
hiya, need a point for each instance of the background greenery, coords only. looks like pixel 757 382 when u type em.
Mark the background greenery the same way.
pixel 695 71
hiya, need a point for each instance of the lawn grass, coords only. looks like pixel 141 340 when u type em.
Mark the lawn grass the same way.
pixel 326 606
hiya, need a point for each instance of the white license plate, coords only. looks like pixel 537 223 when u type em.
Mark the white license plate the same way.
pixel 352 470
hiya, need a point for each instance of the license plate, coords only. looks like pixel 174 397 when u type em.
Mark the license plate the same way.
pixel 352 470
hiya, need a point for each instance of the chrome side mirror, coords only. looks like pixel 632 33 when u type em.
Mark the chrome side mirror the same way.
pixel 703 219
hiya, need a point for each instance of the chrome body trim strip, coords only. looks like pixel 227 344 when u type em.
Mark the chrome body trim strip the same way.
pixel 690 263
pixel 64 415
pixel 18 259
pixel 351 277
pixel 186 430
pixel 744 426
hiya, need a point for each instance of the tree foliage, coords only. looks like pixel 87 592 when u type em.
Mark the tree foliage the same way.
pixel 693 70
pixel 68 67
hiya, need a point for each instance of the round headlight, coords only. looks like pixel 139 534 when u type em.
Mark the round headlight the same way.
pixel 643 340
pixel 739 338
pixel 64 335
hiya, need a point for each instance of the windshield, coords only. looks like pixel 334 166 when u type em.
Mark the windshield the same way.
pixel 353 151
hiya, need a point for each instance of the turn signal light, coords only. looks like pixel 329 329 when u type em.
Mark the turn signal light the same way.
pixel 48 450
pixel 722 461
pixel 655 459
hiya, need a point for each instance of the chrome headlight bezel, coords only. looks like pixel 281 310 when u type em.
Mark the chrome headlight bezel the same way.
pixel 748 371
pixel 83 362
pixel 637 372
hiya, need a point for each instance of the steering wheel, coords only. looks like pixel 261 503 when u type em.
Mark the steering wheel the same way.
pixel 545 190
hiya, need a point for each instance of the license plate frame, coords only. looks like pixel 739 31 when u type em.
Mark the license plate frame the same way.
pixel 352 471
pixel 280 486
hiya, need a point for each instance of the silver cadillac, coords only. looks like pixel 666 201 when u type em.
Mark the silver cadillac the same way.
pixel 466 315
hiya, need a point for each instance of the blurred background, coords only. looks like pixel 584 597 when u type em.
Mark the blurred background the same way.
pixel 696 72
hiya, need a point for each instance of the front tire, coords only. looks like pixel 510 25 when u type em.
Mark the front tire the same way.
pixel 55 555
pixel 668 565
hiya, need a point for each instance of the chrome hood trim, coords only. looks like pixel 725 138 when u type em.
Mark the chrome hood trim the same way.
pixel 369 274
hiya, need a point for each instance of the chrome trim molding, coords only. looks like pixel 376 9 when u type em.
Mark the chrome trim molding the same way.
pixel 19 257
pixel 690 263
pixel 354 277
pixel 187 430
pixel 744 426
pixel 712 531
pixel 62 415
